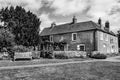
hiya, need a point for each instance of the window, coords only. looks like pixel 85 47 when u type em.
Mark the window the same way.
pixel 74 36
pixel 111 40
pixel 51 38
pixel 81 47
pixel 116 39
pixel 101 36
pixel 104 45
pixel 61 38
pixel 106 37
pixel 112 48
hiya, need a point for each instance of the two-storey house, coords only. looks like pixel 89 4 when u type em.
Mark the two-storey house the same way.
pixel 82 36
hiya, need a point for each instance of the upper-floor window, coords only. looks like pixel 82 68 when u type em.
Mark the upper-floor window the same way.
pixel 111 40
pixel 101 36
pixel 51 38
pixel 61 38
pixel 74 36
pixel 106 37
pixel 116 39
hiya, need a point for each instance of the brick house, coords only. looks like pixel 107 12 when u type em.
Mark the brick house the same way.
pixel 82 36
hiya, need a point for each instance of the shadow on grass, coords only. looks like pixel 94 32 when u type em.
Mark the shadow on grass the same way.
pixel 23 59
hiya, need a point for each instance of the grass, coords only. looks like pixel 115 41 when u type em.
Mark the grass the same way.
pixel 82 71
pixel 38 61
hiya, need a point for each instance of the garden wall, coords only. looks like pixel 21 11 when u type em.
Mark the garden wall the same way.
pixel 70 54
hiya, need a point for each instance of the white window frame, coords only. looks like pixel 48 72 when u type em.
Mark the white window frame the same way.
pixel 104 45
pixel 61 38
pixel 101 36
pixel 106 37
pixel 78 47
pixel 73 36
pixel 111 40
pixel 51 38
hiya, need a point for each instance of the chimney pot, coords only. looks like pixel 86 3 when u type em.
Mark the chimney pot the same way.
pixel 53 24
pixel 74 19
pixel 107 25
pixel 100 21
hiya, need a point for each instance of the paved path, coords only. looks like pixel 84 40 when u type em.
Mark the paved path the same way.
pixel 112 59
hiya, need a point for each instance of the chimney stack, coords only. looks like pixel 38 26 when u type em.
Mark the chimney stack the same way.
pixel 53 24
pixel 100 22
pixel 74 20
pixel 107 25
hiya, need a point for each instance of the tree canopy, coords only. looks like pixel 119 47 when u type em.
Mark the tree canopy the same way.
pixel 23 24
pixel 6 38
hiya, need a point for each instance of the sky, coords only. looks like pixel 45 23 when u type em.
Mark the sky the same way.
pixel 62 11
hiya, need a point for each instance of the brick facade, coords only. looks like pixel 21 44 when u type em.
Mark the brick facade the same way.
pixel 88 36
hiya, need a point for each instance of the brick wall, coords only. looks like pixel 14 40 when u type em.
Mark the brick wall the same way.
pixel 86 37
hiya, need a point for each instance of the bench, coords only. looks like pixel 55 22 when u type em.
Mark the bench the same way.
pixel 23 55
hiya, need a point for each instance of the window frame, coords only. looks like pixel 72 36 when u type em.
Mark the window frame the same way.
pixel 78 47
pixel 106 37
pixel 73 36
pixel 101 36
pixel 51 38
pixel 111 40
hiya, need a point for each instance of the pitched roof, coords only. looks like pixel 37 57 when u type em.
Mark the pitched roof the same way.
pixel 69 27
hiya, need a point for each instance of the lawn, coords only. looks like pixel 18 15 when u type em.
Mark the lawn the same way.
pixel 82 71
pixel 38 61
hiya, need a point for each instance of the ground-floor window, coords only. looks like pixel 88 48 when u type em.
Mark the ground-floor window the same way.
pixel 81 47
pixel 113 49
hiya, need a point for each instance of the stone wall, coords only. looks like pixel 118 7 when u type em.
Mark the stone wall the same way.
pixel 71 54
pixel 105 46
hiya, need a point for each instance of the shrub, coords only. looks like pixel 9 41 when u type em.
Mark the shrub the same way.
pixel 46 54
pixel 99 56
pixel 20 48
pixel 35 54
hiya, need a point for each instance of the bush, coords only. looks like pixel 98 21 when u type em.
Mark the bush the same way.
pixel 99 56
pixel 35 54
pixel 20 48
pixel 46 54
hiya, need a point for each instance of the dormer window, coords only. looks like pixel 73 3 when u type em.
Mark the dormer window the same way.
pixel 74 36
pixel 51 38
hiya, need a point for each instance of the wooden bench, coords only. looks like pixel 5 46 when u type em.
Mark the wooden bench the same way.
pixel 23 55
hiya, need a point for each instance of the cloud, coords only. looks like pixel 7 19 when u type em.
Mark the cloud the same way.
pixel 46 21
pixel 33 5
pixel 107 9
pixel 68 7
pixel 101 8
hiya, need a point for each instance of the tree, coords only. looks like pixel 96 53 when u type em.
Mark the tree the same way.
pixel 6 38
pixel 118 34
pixel 24 25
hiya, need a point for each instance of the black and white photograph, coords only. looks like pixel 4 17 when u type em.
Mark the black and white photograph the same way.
pixel 59 39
